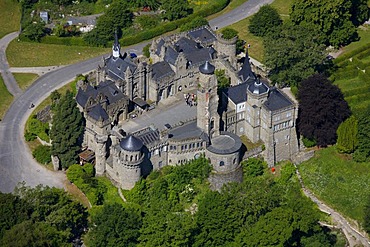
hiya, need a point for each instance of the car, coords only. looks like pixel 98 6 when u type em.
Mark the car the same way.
pixel 133 55
pixel 168 126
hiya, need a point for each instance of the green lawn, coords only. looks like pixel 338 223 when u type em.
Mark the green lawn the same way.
pixel 353 81
pixel 25 79
pixel 5 98
pixel 337 180
pixel 364 34
pixel 256 51
pixel 26 54
pixel 10 16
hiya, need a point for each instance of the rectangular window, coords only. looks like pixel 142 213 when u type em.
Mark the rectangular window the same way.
pixel 288 114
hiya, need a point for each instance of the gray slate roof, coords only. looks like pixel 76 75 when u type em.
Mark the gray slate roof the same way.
pixel 131 143
pixel 161 69
pixel 82 96
pixel 246 74
pixel 188 131
pixel 238 93
pixel 159 47
pixel 207 68
pixel 116 67
pixel 202 35
pixel 97 113
pixel 225 143
pixel 149 137
pixel 258 87
pixel 276 100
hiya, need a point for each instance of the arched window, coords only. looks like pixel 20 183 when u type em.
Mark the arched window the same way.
pixel 222 163
pixel 131 157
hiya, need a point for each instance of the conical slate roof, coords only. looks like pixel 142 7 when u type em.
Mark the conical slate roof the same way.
pixel 207 68
pixel 258 87
pixel 131 143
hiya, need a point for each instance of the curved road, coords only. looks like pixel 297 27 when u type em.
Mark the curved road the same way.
pixel 16 163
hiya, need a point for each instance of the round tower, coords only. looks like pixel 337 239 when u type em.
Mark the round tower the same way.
pixel 100 154
pixel 130 157
pixel 207 100
pixel 227 48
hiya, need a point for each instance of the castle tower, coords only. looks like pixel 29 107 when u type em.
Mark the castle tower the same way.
pixel 207 100
pixel 227 48
pixel 116 49
pixel 100 154
pixel 128 160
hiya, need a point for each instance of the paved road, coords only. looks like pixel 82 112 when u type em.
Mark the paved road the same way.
pixel 353 236
pixel 16 164
pixel 8 77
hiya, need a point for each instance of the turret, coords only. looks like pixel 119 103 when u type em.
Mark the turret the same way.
pixel 116 49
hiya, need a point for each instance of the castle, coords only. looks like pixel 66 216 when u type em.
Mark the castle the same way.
pixel 178 64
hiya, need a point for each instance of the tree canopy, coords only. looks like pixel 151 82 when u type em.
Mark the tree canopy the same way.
pixel 333 20
pixel 67 128
pixel 40 216
pixel 322 109
pixel 265 21
pixel 347 135
pixel 176 9
pixel 362 152
pixel 292 54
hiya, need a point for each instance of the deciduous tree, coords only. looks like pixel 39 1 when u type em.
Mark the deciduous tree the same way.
pixel 176 9
pixel 322 109
pixel 292 54
pixel 266 20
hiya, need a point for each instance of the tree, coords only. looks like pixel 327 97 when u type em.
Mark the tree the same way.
pixel 292 54
pixel 347 135
pixel 115 225
pixel 116 17
pixel 322 109
pixel 34 31
pixel 67 130
pixel 264 21
pixel 362 153
pixel 42 154
pixel 176 9
pixel 146 51
pixel 335 20
pixel 253 167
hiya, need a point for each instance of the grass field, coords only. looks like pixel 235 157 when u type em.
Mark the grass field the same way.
pixel 10 16
pixel 26 54
pixel 25 79
pixel 364 33
pixel 337 180
pixel 5 98
pixel 256 51
pixel 353 76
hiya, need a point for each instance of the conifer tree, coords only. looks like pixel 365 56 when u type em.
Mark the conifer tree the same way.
pixel 66 130
pixel 347 135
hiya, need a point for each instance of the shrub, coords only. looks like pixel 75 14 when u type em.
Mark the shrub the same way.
pixel 29 136
pixel 195 23
pixel 253 167
pixel 146 50
pixel 229 33
pixel 42 154
pixel 38 128
pixel 308 143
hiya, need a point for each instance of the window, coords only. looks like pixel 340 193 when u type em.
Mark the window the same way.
pixel 288 114
pixel 277 118
pixel 222 163
pixel 241 130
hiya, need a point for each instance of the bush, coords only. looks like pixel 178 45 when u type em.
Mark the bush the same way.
pixel 38 128
pixel 146 51
pixel 195 23
pixel 308 143
pixel 29 136
pixel 253 167
pixel 264 21
pixel 42 154
pixel 229 33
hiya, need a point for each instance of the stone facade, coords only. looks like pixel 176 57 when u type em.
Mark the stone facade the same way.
pixel 184 61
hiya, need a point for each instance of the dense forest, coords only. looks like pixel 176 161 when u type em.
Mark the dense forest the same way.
pixel 173 207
